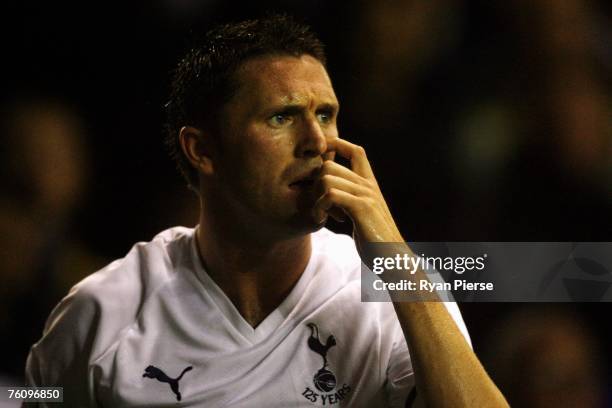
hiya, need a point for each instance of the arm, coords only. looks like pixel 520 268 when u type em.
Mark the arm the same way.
pixel 60 358
pixel 447 372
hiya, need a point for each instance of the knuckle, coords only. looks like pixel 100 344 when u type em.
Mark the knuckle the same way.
pixel 360 150
pixel 368 183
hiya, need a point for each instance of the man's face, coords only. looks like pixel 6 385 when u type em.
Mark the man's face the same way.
pixel 273 139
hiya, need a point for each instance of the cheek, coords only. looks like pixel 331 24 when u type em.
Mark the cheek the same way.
pixel 263 164
pixel 270 151
pixel 262 155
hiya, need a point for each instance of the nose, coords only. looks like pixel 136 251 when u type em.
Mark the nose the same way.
pixel 313 140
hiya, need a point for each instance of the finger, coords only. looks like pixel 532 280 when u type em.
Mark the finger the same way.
pixel 328 181
pixel 329 155
pixel 323 206
pixel 336 169
pixel 356 154
pixel 347 202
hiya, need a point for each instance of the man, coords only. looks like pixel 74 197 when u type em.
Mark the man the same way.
pixel 259 305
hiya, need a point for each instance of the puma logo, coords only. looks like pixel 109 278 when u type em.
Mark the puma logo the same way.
pixel 159 375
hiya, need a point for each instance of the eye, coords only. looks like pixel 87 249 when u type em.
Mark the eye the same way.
pixel 280 119
pixel 324 117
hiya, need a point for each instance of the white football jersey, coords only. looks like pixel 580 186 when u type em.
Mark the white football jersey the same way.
pixel 153 329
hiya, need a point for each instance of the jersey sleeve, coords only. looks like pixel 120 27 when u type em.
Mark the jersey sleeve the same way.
pixel 61 357
pixel 92 319
pixel 400 386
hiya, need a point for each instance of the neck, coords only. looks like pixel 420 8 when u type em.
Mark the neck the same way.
pixel 255 272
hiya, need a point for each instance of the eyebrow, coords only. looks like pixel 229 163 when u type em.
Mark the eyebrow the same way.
pixel 333 107
pixel 293 108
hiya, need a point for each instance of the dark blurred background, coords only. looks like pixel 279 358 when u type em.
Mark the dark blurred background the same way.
pixel 484 121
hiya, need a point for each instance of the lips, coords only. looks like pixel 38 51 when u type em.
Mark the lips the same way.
pixel 305 181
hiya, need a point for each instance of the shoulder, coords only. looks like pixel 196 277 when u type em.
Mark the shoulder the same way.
pixel 125 283
pixel 95 312
pixel 146 266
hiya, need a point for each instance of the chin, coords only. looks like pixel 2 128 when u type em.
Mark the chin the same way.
pixel 306 225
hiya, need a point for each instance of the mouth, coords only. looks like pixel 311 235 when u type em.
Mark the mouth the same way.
pixel 306 181
pixel 303 184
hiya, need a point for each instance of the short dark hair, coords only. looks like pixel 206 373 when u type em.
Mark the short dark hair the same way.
pixel 203 80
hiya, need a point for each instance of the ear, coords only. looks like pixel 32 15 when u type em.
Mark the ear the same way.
pixel 197 149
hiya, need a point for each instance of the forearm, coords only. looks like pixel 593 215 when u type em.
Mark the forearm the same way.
pixel 447 372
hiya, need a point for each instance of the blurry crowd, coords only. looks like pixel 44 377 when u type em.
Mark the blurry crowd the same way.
pixel 546 357
pixel 484 121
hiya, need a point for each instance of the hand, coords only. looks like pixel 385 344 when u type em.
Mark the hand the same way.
pixel 356 193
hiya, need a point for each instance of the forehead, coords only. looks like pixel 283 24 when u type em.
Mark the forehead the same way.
pixel 284 80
